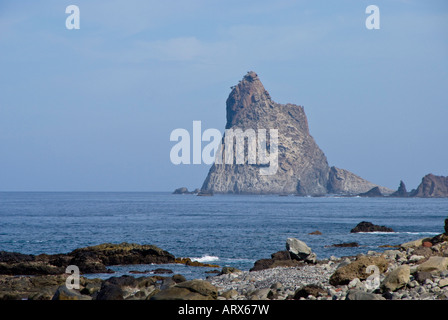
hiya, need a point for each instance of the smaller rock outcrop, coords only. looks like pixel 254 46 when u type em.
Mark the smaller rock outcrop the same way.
pixel 365 226
pixel 401 191
pixel 372 193
pixel 432 186
pixel 184 190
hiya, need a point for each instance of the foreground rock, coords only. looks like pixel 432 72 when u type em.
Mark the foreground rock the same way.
pixel 94 259
pixel 358 269
pixel 299 250
pixel 297 253
pixel 365 226
pixel 188 290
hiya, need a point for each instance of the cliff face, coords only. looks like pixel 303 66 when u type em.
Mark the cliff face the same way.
pixel 432 187
pixel 302 166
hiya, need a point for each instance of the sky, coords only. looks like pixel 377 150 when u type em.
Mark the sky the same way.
pixel 92 109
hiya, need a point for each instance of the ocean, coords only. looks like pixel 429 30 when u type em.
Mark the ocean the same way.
pixel 227 230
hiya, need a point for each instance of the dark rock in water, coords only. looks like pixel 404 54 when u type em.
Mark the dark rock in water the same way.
pixel 189 262
pixel 184 190
pixel 317 232
pixel 205 193
pixel 302 166
pixel 446 227
pixel 401 192
pixel 310 290
pixel 162 271
pixel 370 227
pixel 125 253
pixel 92 259
pixel 346 245
pixel 432 187
pixel 374 192
pixel 278 259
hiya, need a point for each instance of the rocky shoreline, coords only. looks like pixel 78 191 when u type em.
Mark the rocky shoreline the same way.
pixel 416 270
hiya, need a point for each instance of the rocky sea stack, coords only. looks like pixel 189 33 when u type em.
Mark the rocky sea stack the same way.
pixel 302 166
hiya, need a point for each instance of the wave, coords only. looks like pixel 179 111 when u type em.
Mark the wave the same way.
pixel 205 258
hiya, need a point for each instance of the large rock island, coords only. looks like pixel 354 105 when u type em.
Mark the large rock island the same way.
pixel 302 166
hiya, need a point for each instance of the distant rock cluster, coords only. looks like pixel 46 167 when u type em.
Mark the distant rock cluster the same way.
pixel 432 186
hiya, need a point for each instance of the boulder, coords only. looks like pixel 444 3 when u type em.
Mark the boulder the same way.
pixel 412 244
pixel 188 290
pixel 422 276
pixel 227 270
pixel 396 279
pixel 260 294
pixel 446 227
pixel 298 249
pixel 355 294
pixel 434 265
pixel 317 232
pixel 230 294
pixel 110 291
pixel 365 226
pixel 357 269
pixel 63 293
pixel 310 290
pixel 278 259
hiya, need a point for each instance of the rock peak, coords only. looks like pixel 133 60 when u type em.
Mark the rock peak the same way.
pixel 251 76
pixel 302 166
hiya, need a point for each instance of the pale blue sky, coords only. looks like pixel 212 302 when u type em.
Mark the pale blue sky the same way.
pixel 93 109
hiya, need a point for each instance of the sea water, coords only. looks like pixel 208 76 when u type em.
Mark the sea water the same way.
pixel 226 230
